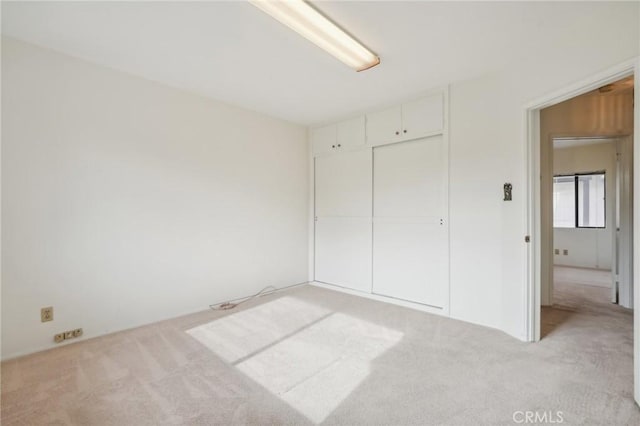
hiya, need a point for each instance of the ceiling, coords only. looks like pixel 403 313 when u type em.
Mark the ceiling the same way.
pixel 233 52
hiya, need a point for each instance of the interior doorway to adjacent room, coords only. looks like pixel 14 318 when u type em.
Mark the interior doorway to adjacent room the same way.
pixel 586 193
pixel 591 201
pixel 584 281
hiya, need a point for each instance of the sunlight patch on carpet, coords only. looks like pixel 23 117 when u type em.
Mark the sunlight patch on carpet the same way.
pixel 309 357
pixel 243 333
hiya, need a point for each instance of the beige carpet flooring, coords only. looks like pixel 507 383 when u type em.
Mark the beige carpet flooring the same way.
pixel 587 276
pixel 310 355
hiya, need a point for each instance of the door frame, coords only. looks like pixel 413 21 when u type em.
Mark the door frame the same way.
pixel 531 113
pixel 623 246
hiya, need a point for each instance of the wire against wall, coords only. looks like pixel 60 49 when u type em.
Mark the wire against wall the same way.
pixel 230 304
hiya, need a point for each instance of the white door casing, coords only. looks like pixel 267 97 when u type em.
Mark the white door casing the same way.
pixel 625 233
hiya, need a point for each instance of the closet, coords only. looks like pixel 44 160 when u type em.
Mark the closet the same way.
pixel 380 201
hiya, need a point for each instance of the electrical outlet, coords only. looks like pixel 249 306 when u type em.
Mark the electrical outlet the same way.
pixel 565 252
pixel 46 314
pixel 66 335
pixel 557 251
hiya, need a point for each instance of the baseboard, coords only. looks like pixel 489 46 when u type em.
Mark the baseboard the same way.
pixel 386 299
pixel 588 268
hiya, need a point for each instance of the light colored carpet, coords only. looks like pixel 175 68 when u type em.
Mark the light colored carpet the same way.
pixel 586 276
pixel 310 355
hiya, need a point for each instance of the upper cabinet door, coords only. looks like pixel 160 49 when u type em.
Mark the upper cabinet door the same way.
pixel 384 126
pixel 423 117
pixel 351 132
pixel 323 139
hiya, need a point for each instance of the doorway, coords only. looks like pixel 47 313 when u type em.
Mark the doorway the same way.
pixel 591 201
pixel 590 263
pixel 539 177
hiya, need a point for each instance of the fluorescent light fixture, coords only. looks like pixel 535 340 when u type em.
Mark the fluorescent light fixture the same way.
pixel 301 17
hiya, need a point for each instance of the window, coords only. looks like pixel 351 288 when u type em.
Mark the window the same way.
pixel 579 201
pixel 564 202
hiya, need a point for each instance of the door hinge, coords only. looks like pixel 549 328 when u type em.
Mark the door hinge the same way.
pixel 527 239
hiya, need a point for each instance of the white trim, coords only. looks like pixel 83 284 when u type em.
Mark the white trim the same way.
pixel 614 228
pixel 447 213
pixel 636 235
pixel 312 210
pixel 447 193
pixel 341 150
pixel 532 220
pixel 617 72
pixel 409 139
pixel 385 299
pixel 625 244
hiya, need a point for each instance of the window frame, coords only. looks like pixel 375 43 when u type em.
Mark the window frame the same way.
pixel 576 191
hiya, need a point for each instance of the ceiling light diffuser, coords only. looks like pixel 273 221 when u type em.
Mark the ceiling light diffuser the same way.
pixel 301 17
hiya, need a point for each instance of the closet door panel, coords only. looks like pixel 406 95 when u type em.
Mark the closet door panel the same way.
pixel 343 200
pixel 343 252
pixel 410 179
pixel 343 184
pixel 410 261
pixel 410 237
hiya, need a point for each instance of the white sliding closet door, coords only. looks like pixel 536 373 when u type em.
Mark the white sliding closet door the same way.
pixel 343 219
pixel 410 237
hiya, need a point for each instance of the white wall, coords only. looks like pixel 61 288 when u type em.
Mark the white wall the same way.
pixel 587 248
pixel 488 139
pixel 150 172
pixel 126 202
